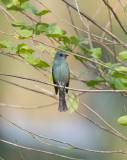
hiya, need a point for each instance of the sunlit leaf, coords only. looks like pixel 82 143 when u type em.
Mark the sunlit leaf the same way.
pixel 84 42
pixel 39 63
pixel 3 44
pixel 86 50
pixel 41 47
pixel 24 33
pixel 119 84
pixel 42 27
pixel 7 44
pixel 22 48
pixel 80 58
pixel 96 52
pixel 43 12
pixel 65 39
pixel 75 40
pixel 16 2
pixel 18 24
pixel 72 102
pixel 30 7
pixel 36 62
pixel 93 83
pixel 6 2
pixel 66 48
pixel 54 31
pixel 123 55
pixel 122 120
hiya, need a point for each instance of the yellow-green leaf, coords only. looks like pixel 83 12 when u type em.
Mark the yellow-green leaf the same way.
pixel 72 102
pixel 122 120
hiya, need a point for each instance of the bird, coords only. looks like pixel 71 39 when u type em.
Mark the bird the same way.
pixel 61 76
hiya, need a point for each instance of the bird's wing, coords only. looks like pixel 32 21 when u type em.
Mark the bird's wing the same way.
pixel 56 88
pixel 67 85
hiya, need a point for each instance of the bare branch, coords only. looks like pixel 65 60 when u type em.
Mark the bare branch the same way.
pixel 37 150
pixel 40 81
pixel 94 22
pixel 27 107
pixel 115 15
pixel 73 147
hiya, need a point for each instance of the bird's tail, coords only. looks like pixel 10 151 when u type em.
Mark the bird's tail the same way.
pixel 62 102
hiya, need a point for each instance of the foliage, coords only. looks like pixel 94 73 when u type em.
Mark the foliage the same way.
pixel 122 120
pixel 114 79
pixel 72 102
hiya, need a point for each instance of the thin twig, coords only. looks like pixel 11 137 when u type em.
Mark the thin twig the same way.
pixel 27 107
pixel 115 15
pixel 74 89
pixel 95 23
pixel 73 147
pixel 37 150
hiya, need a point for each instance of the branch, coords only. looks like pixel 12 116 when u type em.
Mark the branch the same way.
pixel 124 45
pixel 69 144
pixel 47 83
pixel 121 25
pixel 37 150
pixel 96 62
pixel 94 22
pixel 27 107
pixel 116 132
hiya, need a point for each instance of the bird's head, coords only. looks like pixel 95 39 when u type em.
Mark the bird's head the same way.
pixel 61 55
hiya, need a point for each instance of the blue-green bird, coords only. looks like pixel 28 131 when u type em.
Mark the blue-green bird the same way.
pixel 61 76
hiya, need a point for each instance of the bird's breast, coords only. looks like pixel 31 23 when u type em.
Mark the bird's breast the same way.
pixel 61 72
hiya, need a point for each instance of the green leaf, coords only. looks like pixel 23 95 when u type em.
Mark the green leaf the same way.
pixel 125 8
pixel 6 2
pixel 122 120
pixel 42 27
pixel 93 83
pixel 30 7
pixel 23 1
pixel 123 55
pixel 7 44
pixel 66 48
pixel 16 2
pixel 11 6
pixel 81 73
pixel 64 39
pixel 3 44
pixel 22 48
pixel 18 24
pixel 75 40
pixel 72 102
pixel 36 62
pixel 84 42
pixel 53 51
pixel 86 50
pixel 29 58
pixel 119 84
pixel 24 33
pixel 30 27
pixel 39 63
pixel 43 12
pixel 41 47
pixel 80 58
pixel 54 31
pixel 120 69
pixel 96 52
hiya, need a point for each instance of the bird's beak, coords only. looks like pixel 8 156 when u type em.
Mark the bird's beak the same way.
pixel 65 55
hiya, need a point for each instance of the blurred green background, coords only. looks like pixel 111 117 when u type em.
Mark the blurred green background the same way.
pixel 48 121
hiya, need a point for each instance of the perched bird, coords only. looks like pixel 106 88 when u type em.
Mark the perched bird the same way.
pixel 61 76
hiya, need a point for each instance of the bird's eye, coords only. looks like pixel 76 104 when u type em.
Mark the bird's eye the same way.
pixel 61 55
